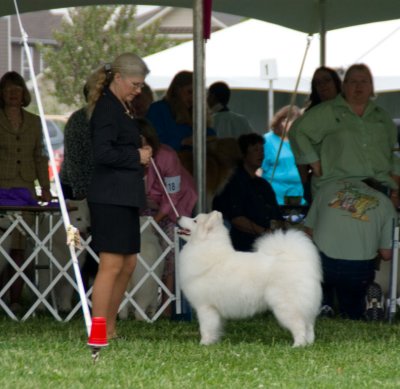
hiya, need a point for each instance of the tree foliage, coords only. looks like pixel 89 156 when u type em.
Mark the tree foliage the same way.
pixel 90 37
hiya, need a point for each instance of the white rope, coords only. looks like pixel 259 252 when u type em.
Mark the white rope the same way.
pixel 384 39
pixel 292 101
pixel 165 189
pixel 63 207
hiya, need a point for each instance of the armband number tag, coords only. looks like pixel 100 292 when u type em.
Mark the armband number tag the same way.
pixel 173 184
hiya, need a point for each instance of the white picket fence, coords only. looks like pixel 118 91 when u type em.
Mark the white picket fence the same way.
pixel 43 257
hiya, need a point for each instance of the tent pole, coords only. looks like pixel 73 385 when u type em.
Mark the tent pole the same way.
pixel 270 101
pixel 9 53
pixel 322 32
pixel 199 111
pixel 322 48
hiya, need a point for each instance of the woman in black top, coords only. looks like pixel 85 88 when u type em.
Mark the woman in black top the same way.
pixel 116 191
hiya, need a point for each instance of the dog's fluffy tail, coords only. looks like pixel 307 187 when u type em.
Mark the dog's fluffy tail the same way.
pixel 292 244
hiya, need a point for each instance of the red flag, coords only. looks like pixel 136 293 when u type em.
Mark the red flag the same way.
pixel 207 8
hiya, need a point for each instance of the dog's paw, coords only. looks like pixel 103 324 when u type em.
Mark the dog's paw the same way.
pixel 206 341
pixel 300 343
pixel 301 340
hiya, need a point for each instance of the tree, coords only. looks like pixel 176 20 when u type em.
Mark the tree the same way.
pixel 89 37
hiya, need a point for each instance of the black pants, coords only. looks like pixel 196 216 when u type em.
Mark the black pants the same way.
pixel 347 280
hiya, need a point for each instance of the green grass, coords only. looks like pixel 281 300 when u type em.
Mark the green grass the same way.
pixel 256 353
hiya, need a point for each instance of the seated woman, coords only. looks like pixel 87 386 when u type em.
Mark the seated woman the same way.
pixel 248 202
pixel 178 183
pixel 351 223
pixel 172 116
pixel 141 103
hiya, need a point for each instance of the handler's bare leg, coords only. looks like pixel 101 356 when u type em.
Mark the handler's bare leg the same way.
pixel 118 292
pixel 109 286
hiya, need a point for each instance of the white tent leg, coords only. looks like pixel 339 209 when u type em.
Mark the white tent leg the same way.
pixel 394 270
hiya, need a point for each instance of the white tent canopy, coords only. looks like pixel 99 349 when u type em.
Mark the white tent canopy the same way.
pixel 234 55
pixel 375 44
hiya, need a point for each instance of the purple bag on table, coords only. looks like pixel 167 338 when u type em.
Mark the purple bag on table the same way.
pixel 16 197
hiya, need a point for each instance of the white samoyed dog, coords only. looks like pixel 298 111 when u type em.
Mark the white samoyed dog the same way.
pixel 283 274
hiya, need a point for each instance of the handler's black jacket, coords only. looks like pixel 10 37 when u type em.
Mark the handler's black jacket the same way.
pixel 118 175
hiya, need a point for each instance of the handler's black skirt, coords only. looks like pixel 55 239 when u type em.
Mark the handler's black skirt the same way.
pixel 115 228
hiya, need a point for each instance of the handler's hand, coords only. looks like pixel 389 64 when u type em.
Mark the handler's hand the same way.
pixel 146 152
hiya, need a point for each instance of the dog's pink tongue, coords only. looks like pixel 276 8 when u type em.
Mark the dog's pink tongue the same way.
pixel 183 231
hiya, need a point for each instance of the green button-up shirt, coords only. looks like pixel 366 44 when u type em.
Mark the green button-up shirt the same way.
pixel 348 146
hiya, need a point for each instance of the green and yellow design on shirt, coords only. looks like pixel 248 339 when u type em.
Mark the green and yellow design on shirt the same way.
pixel 352 200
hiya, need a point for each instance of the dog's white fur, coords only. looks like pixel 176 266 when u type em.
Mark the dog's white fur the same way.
pixel 283 274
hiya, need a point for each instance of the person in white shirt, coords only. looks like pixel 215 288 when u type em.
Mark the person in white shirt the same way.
pixel 225 122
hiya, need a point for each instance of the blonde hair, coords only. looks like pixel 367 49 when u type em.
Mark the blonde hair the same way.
pixel 360 67
pixel 127 64
pixel 284 113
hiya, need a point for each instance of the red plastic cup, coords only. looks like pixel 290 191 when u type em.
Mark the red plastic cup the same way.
pixel 98 333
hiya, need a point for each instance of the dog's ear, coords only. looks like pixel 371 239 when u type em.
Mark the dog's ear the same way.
pixel 206 222
pixel 213 218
